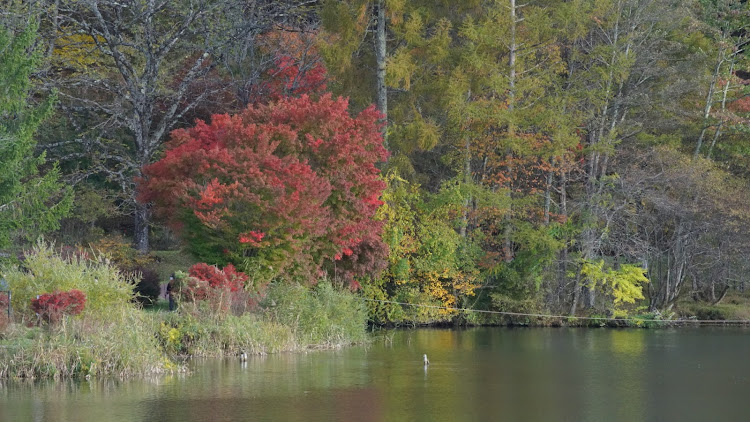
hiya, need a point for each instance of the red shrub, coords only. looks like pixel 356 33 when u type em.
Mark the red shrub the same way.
pixel 193 290
pixel 223 289
pixel 228 278
pixel 52 306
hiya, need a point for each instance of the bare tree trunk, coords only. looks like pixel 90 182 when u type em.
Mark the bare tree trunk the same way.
pixel 512 56
pixel 380 57
pixel 588 235
pixel 547 198
pixel 667 281
pixel 142 224
pixel 55 18
pixel 722 295
pixel 709 98
pixel 563 267
pixel 467 180
pixel 513 47
pixel 576 294
pixel 717 133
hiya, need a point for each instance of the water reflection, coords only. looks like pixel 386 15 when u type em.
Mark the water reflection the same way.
pixel 474 374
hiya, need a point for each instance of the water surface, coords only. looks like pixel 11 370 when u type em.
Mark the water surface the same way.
pixel 482 374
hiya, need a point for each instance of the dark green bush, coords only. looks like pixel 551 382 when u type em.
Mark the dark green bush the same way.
pixel 148 285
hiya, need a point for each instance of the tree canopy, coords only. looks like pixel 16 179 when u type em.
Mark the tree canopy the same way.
pixel 582 156
pixel 290 187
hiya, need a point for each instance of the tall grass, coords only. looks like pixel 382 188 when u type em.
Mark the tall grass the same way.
pixel 124 345
pixel 320 316
pixel 45 271
pixel 114 336
pixel 291 318
pixel 211 337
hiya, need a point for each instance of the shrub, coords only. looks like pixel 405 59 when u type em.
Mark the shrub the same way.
pixel 148 285
pixel 228 277
pixel 220 290
pixel 120 252
pixel 290 188
pixel 44 271
pixel 191 289
pixel 321 315
pixel 52 306
pixel 3 311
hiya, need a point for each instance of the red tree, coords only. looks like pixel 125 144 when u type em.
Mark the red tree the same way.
pixel 289 186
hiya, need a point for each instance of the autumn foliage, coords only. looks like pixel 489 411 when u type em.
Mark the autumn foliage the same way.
pixel 52 306
pixel 290 77
pixel 226 278
pixel 222 289
pixel 289 187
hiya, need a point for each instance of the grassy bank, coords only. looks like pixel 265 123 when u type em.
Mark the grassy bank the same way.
pixel 132 341
pixel 290 318
pixel 114 336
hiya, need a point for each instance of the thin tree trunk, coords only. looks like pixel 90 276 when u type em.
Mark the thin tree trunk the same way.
pixel 467 180
pixel 512 57
pixel 547 198
pixel 562 275
pixel 55 18
pixel 717 133
pixel 513 47
pixel 709 99
pixel 576 294
pixel 380 57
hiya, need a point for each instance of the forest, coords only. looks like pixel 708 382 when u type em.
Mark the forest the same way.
pixel 562 157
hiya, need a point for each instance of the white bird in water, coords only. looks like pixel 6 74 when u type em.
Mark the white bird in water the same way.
pixel 426 361
pixel 243 357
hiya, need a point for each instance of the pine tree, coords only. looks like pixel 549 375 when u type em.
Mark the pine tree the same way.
pixel 30 203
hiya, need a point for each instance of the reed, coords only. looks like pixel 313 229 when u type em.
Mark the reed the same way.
pixel 114 336
pixel 123 345
pixel 320 316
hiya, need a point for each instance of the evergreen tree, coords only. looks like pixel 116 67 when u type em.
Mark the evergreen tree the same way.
pixel 30 203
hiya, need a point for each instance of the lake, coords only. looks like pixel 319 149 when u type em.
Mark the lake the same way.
pixel 477 374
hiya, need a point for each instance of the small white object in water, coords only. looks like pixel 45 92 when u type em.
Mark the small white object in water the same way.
pixel 426 361
pixel 243 357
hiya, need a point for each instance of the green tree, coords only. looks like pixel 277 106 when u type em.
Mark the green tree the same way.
pixel 429 262
pixel 30 202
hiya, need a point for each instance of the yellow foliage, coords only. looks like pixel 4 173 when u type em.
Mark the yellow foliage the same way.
pixel 624 284
pixel 400 68
pixel 425 267
pixel 78 52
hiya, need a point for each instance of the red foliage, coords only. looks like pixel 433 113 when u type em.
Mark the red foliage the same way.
pixel 291 185
pixel 290 77
pixel 297 66
pixel 228 278
pixel 52 306
pixel 194 290
pixel 224 289
pixel 740 105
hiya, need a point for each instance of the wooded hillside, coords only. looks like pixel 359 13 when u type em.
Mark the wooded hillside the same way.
pixel 558 156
